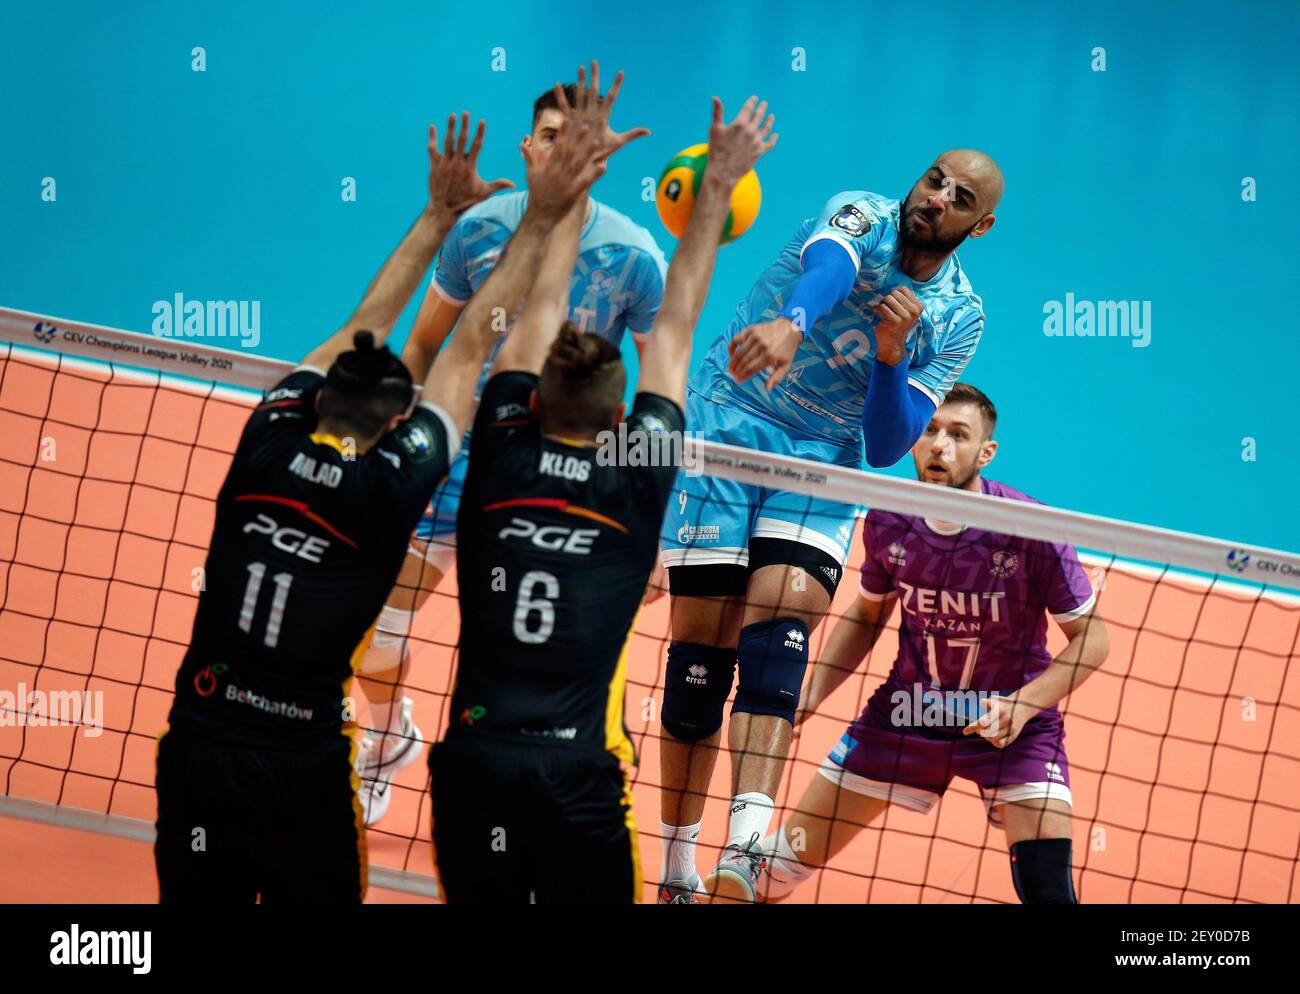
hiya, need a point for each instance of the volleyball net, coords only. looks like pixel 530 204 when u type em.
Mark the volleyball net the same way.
pixel 1183 749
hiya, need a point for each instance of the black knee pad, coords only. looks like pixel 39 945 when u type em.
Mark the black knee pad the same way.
pixel 773 656
pixel 1040 869
pixel 696 685
pixel 823 568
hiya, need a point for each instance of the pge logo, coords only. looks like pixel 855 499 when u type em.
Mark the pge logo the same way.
pixel 1238 560
pixel 44 332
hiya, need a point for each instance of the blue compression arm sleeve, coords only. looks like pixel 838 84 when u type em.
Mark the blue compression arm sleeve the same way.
pixel 893 416
pixel 827 277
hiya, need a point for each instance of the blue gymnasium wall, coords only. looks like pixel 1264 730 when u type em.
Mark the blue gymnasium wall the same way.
pixel 1123 184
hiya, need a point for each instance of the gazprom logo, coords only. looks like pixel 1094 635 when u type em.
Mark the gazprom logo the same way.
pixel 44 332
pixel 1238 560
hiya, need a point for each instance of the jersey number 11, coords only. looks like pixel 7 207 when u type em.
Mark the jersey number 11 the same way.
pixel 256 571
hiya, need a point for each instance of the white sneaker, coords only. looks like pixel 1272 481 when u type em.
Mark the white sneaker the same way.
pixel 381 757
pixel 742 864
pixel 681 891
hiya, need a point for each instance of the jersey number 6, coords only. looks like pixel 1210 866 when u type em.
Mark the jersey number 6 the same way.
pixel 528 604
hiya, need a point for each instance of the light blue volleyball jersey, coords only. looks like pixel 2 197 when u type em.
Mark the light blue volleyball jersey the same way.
pixel 823 394
pixel 618 285
pixel 618 281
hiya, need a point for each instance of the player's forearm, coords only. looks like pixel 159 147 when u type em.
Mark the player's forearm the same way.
pixel 893 415
pixel 851 640
pixel 1082 656
pixel 433 323
pixel 691 270
pixel 402 273
pixel 548 302
pixel 418 357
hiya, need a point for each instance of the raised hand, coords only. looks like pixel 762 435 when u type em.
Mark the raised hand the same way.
pixel 590 108
pixel 769 345
pixel 735 147
pixel 581 153
pixel 454 182
pixel 898 312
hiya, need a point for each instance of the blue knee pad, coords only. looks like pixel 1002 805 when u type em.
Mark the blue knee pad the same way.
pixel 696 685
pixel 773 656
pixel 1040 870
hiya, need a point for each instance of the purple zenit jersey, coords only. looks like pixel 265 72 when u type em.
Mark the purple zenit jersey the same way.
pixel 974 603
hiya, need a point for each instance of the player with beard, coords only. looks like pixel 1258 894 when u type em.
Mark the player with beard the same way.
pixel 848 341
pixel 973 692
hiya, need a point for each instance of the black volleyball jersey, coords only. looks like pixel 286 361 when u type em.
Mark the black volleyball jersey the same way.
pixel 308 540
pixel 555 544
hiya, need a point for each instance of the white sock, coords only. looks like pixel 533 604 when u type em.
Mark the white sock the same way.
pixel 387 715
pixel 785 872
pixel 394 621
pixel 388 644
pixel 751 813
pixel 679 851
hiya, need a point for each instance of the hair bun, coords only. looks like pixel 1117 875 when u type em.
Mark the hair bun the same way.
pixel 366 365
pixel 578 357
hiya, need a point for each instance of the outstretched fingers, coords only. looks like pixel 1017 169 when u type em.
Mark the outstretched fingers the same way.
pixel 463 137
pixel 449 139
pixel 631 135
pixel 612 95
pixel 478 141
pixel 561 99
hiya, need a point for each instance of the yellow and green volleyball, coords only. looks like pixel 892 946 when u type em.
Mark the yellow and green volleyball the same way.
pixel 680 183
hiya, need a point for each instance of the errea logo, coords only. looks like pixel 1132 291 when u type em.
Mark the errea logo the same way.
pixel 897 554
pixel 794 639
pixel 697 674
pixel 1054 771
